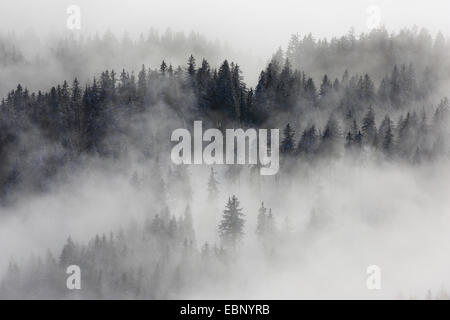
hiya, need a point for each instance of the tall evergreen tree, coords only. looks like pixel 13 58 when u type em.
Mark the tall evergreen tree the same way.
pixel 261 221
pixel 288 144
pixel 231 228
pixel 369 127
pixel 308 142
pixel 224 97
pixel 191 67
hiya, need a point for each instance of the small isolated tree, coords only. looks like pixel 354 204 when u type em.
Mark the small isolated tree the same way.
pixel 261 226
pixel 163 68
pixel 231 228
pixel 266 224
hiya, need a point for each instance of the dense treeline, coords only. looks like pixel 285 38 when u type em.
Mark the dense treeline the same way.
pixel 96 118
pixel 24 57
pixel 374 53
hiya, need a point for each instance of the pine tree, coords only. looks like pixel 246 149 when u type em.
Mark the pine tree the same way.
pixel 265 228
pixel 142 85
pixel 285 92
pixel 68 254
pixel 310 92
pixel 163 68
pixel 261 221
pixel 204 85
pixel 76 107
pixel 366 89
pixel 369 127
pixel 191 66
pixel 329 143
pixel 288 144
pixel 224 94
pixel 308 142
pixel 231 228
pixel 388 141
pixel 325 87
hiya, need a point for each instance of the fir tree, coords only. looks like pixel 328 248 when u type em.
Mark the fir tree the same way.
pixel 369 127
pixel 231 228
pixel 288 144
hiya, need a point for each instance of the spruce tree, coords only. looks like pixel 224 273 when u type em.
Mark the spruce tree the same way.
pixel 261 221
pixel 191 66
pixel 369 127
pixel 231 228
pixel 388 141
pixel 287 144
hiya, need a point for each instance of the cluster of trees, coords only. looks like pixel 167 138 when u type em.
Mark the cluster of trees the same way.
pixel 156 260
pixel 414 137
pixel 140 263
pixel 151 47
pixel 373 53
pixel 284 89
pixel 390 108
pixel 24 56
pixel 84 119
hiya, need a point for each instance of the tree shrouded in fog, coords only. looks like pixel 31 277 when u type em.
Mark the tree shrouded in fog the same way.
pixel 231 228
pixel 368 127
pixel 213 189
pixel 265 227
pixel 288 144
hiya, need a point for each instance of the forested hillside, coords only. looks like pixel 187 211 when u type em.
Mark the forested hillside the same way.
pixel 373 100
pixel 402 115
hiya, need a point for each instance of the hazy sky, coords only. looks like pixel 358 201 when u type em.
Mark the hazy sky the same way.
pixel 257 25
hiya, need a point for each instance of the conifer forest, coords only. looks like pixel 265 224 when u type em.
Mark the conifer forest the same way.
pixel 87 180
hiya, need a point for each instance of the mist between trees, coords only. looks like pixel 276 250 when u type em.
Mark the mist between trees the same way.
pixel 94 158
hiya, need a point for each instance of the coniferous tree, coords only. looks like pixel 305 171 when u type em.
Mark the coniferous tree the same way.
pixel 325 87
pixel 265 228
pixel 331 134
pixel 224 99
pixel 261 221
pixel 287 144
pixel 231 228
pixel 388 141
pixel 68 254
pixel 369 127
pixel 308 142
pixel 163 68
pixel 191 67
pixel 204 85
pixel 77 115
pixel 142 85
